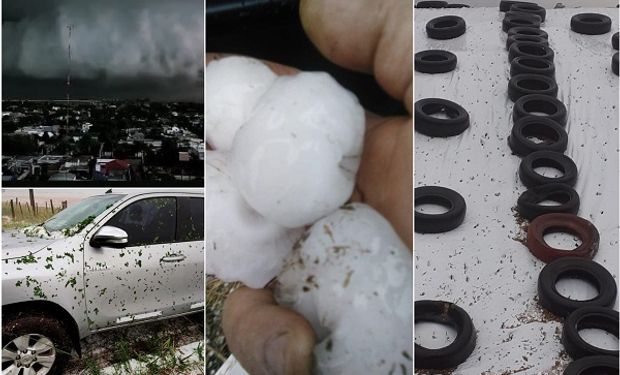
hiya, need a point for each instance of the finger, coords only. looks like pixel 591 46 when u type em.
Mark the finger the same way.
pixel 366 35
pixel 384 178
pixel 267 339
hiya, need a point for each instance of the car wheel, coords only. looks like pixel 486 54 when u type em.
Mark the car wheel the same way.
pixel 530 84
pixel 588 317
pixel 457 120
pixel 445 27
pixel 590 23
pixel 532 65
pixel 437 223
pixel 614 63
pixel 552 135
pixel 528 203
pixel 595 364
pixel 530 105
pixel 549 159
pixel 614 41
pixel 435 61
pixel 34 341
pixel 463 345
pixel 565 223
pixel 580 268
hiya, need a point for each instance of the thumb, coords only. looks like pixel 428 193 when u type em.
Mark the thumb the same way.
pixel 366 35
pixel 267 339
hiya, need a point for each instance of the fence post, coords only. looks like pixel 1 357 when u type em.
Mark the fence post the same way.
pixel 32 204
pixel 20 209
pixel 52 205
pixel 12 210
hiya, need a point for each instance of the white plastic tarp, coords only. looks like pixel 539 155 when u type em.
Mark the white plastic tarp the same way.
pixel 479 265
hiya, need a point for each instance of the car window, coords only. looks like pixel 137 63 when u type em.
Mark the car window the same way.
pixel 190 219
pixel 81 211
pixel 148 221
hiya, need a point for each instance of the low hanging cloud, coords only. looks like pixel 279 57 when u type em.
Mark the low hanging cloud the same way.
pixel 111 40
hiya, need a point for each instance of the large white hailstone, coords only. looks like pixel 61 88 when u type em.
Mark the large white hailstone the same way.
pixel 296 157
pixel 234 86
pixel 241 244
pixel 351 277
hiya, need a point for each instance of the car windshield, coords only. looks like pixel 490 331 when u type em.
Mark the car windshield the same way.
pixel 89 207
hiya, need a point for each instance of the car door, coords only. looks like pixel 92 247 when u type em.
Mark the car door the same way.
pixel 190 242
pixel 153 276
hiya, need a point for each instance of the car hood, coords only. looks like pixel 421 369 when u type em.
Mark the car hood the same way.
pixel 16 244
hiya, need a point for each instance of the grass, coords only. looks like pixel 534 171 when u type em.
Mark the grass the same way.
pixel 154 345
pixel 217 351
pixel 24 216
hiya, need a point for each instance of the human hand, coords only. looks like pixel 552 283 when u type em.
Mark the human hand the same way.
pixel 369 36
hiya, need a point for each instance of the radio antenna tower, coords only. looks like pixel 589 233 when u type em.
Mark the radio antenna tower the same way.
pixel 70 28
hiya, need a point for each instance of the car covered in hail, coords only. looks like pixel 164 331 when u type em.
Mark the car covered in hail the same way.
pixel 105 262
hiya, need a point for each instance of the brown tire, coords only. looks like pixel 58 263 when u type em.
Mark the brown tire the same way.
pixel 561 222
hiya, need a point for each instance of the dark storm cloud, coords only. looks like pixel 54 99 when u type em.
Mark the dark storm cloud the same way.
pixel 150 44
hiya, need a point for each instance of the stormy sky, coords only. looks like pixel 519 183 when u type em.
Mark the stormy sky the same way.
pixel 120 49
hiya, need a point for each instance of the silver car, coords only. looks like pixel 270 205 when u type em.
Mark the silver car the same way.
pixel 106 262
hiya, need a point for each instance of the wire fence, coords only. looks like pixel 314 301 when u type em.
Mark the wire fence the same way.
pixel 17 213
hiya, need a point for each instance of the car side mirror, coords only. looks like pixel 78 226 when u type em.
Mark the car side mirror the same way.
pixel 109 236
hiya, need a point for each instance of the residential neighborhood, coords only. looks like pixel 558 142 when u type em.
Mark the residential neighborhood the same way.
pixel 102 141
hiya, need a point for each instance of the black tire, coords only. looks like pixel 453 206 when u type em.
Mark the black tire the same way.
pixel 554 135
pixel 528 203
pixel 505 5
pixel 526 38
pixel 532 65
pixel 435 61
pixel 590 23
pixel 530 84
pixel 431 4
pixel 529 104
pixel 595 364
pixel 529 49
pixel 438 223
pixel 18 324
pixel 530 8
pixel 579 268
pixel 530 178
pixel 426 124
pixel 614 41
pixel 588 317
pixel 445 27
pixel 614 63
pixel 458 6
pixel 451 315
pixel 528 31
pixel 520 20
